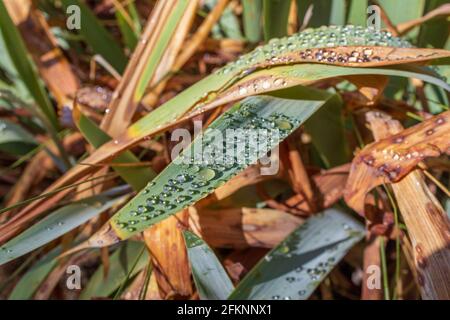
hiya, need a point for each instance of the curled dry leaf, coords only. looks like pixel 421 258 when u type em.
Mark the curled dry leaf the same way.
pixel 390 159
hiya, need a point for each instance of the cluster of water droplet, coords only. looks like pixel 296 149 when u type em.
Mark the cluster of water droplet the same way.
pixel 323 37
pixel 169 194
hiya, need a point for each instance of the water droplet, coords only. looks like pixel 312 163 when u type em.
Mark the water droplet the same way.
pixel 206 174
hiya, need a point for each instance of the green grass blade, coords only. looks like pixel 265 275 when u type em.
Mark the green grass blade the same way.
pixel 14 139
pixel 276 13
pixel 357 12
pixel 210 278
pixel 55 225
pixel 321 13
pixel 24 65
pixel 98 37
pixel 32 279
pixel 252 19
pixel 159 50
pixel 129 254
pixel 205 93
pixel 325 126
pixel 186 183
pixel 216 82
pixel 298 264
pixel 137 177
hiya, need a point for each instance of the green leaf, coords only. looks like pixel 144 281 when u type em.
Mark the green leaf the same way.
pixel 326 125
pixel 158 51
pixel 191 177
pixel 357 12
pixel 137 177
pixel 398 12
pixel 32 279
pixel 338 12
pixel 24 64
pixel 434 33
pixel 252 13
pixel 129 254
pixel 95 34
pixel 321 11
pixel 55 225
pixel 223 86
pixel 130 37
pixel 298 264
pixel 210 278
pixel 276 16
pixel 14 139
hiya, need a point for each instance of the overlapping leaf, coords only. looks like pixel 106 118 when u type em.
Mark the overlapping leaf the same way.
pixel 298 264
pixel 14 139
pixel 390 159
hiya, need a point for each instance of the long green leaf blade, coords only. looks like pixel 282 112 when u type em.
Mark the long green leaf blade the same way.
pixel 298 264
pixel 97 36
pixel 210 278
pixel 357 12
